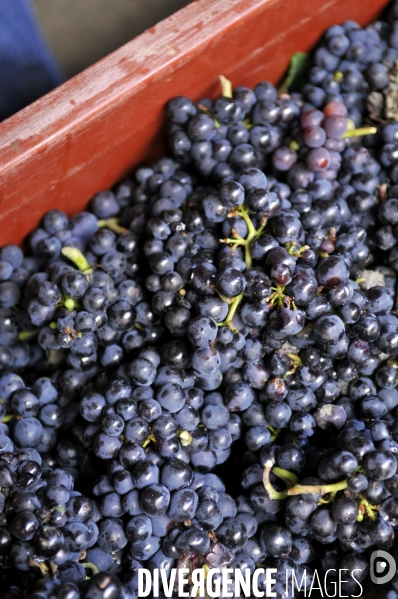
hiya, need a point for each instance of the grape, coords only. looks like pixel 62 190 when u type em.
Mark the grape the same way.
pixel 228 310
pixel 315 136
pixel 335 126
pixel 311 118
pixel 283 158
pixel 318 159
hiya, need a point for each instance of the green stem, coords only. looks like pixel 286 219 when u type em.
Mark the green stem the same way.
pixel 295 362
pixel 288 478
pixel 359 132
pixel 245 215
pixel 113 225
pixel 150 438
pixel 275 432
pixel 252 233
pixel 322 489
pixel 236 240
pixel 8 418
pixel 77 257
pixel 205 110
pixel 329 499
pixel 272 493
pixel 367 509
pixel 295 249
pixel 247 124
pixel 231 312
pixel 293 488
pixel 277 295
pixel 91 567
pixel 24 335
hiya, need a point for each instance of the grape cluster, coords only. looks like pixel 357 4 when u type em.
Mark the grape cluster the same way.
pixel 169 417
pixel 200 371
pixel 78 308
pixel 46 526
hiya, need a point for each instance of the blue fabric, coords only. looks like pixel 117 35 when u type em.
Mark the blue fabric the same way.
pixel 27 69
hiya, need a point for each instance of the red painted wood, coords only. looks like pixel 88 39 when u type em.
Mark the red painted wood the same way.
pixel 85 135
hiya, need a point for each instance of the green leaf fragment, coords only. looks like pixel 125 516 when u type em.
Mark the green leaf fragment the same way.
pixel 300 63
pixel 226 87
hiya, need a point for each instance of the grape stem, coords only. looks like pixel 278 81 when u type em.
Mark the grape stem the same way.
pixel 150 437
pixel 331 497
pixel 113 225
pixel 322 489
pixel 8 418
pixel 295 362
pixel 277 295
pixel 78 258
pixel 272 493
pixel 274 432
pixel 206 111
pixel 247 124
pixel 367 509
pixel 295 489
pixel 90 566
pixel 236 241
pixel 359 132
pixel 231 313
pixel 252 233
pixel 24 335
pixel 295 249
pixel 289 478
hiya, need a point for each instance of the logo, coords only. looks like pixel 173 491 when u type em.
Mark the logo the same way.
pixel 382 567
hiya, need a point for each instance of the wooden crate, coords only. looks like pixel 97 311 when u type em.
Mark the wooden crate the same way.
pixel 88 133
